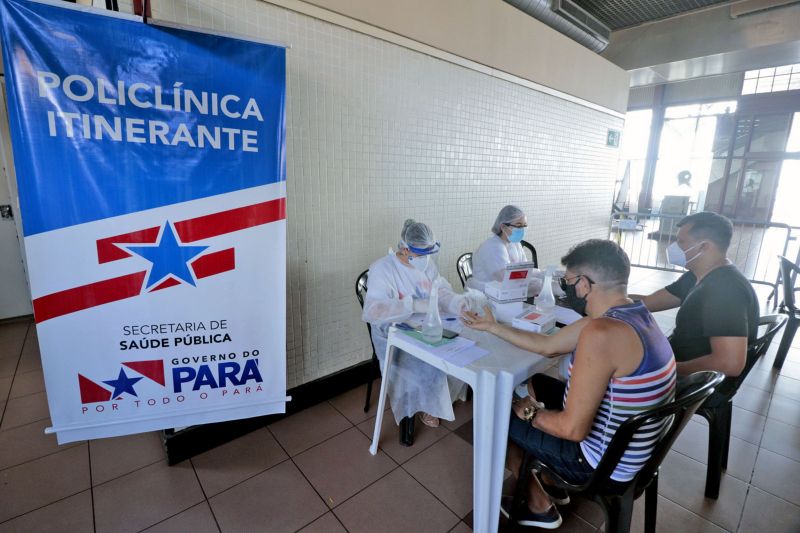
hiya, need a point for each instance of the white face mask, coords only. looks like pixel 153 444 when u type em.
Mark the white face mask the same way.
pixel 419 262
pixel 677 257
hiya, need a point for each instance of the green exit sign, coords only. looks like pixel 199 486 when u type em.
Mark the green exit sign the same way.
pixel 612 139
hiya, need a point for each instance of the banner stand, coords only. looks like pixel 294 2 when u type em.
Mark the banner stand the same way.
pixel 151 170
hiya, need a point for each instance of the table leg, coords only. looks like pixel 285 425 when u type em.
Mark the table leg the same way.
pixel 376 434
pixel 491 411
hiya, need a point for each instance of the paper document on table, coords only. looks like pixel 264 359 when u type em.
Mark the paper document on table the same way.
pixel 459 351
pixel 456 345
pixel 466 357
pixel 565 315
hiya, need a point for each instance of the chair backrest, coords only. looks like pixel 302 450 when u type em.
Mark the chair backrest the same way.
pixel 361 287
pixel 528 246
pixel 361 293
pixel 464 268
pixel 789 273
pixel 692 392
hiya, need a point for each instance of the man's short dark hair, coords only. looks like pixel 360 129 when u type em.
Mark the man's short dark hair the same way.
pixel 606 261
pixel 706 225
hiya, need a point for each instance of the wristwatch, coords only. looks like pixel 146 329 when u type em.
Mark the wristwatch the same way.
pixel 530 412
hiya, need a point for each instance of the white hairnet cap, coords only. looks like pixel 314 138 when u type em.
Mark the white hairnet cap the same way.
pixel 507 215
pixel 418 238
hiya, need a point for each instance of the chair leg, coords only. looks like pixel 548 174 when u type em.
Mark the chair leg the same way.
pixel 373 371
pixel 651 505
pixel 716 445
pixel 618 512
pixel 726 433
pixel 407 431
pixel 786 341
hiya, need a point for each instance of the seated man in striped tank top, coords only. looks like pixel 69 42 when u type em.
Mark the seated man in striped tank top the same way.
pixel 620 364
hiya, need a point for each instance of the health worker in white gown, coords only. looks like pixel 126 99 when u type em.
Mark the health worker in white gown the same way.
pixel 503 248
pixel 398 286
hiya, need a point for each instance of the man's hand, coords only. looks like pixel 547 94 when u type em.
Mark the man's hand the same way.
pixel 481 323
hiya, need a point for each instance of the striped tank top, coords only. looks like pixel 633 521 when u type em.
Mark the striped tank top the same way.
pixel 650 385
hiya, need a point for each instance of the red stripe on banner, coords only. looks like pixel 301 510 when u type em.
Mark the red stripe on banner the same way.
pixel 107 251
pixel 152 369
pixel 228 221
pixel 91 392
pixel 210 264
pixel 91 295
pixel 169 282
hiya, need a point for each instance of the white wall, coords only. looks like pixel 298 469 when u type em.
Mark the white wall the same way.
pixel 376 133
pixel 496 34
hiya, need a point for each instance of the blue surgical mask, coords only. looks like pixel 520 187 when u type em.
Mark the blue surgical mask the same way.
pixel 677 257
pixel 516 234
pixel 419 262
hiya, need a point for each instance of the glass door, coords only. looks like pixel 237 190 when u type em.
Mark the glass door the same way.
pixel 757 188
pixel 747 188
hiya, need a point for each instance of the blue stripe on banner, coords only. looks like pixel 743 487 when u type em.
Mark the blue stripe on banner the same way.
pixel 103 125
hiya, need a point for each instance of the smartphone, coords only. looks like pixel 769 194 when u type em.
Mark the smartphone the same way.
pixel 448 334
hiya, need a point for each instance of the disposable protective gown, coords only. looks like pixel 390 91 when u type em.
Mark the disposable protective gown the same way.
pixel 490 259
pixel 414 386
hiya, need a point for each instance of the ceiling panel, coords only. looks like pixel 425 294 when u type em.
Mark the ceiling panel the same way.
pixel 618 14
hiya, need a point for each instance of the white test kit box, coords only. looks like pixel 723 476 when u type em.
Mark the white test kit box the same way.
pixel 506 312
pixel 496 292
pixel 535 321
pixel 514 285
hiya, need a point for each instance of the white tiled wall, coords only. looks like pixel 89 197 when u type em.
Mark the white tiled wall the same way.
pixel 378 133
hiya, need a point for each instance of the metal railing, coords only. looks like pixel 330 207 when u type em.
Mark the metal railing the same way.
pixel 754 247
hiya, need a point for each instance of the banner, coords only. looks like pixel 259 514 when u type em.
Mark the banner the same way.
pixel 151 169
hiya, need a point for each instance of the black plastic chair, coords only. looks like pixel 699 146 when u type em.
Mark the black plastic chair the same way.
pixel 534 258
pixel 789 273
pixel 718 409
pixel 406 424
pixel 361 292
pixel 464 268
pixel 616 498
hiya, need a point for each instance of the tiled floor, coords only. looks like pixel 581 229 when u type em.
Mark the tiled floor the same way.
pixel 312 472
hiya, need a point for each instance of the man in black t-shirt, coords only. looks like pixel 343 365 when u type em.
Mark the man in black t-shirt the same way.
pixel 719 310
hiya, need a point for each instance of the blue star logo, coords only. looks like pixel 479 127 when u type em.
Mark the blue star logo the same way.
pixel 122 384
pixel 169 258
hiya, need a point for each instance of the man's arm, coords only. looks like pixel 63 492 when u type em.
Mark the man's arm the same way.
pixel 661 300
pixel 728 355
pixel 563 341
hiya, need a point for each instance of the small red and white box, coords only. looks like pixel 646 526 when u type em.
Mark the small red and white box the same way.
pixel 535 321
pixel 514 285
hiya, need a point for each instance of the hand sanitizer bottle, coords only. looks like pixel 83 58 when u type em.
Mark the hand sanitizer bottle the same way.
pixel 432 326
pixel 546 301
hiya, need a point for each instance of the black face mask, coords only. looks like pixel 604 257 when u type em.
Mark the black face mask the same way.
pixel 575 302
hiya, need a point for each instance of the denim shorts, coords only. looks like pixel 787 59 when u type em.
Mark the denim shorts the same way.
pixel 564 457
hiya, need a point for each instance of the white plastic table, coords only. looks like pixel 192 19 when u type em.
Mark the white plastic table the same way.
pixel 492 379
